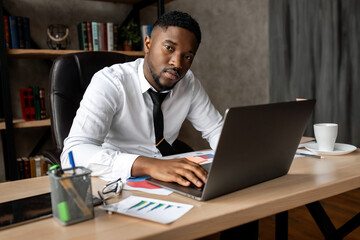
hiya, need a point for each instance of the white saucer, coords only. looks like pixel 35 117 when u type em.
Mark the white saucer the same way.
pixel 339 149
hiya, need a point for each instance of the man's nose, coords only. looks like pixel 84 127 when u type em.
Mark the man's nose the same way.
pixel 176 61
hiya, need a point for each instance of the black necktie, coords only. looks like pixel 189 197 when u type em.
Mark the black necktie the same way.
pixel 164 147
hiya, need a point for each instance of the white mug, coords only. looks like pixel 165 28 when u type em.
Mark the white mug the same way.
pixel 325 134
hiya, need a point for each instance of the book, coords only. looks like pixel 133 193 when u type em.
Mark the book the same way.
pixel 26 28
pixel 21 35
pixel 95 36
pixel 145 30
pixel 32 167
pixel 37 166
pixel 103 37
pixel 110 36
pixel 26 167
pixel 100 35
pixel 144 33
pixel 83 36
pixel 149 29
pixel 89 32
pixel 115 36
pixel 42 103
pixel 27 104
pixel 36 102
pixel 21 168
pixel 44 165
pixel 7 31
pixel 13 26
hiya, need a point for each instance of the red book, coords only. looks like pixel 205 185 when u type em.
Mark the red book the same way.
pixel 27 104
pixel 42 103
pixel 7 31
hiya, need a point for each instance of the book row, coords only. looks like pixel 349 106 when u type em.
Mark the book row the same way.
pixel 33 103
pixel 30 167
pixel 96 36
pixel 17 32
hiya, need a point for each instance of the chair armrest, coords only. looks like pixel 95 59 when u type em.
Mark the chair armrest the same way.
pixel 53 156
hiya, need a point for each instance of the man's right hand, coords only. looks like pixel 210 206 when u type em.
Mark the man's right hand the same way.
pixel 181 170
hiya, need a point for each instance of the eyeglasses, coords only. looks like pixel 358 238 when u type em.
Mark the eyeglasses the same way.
pixel 111 189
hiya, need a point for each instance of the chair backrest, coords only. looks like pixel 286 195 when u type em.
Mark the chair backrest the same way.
pixel 69 77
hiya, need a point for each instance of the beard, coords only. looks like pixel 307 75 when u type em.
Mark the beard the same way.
pixel 158 84
pixel 156 78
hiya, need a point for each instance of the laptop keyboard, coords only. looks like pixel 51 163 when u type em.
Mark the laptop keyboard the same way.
pixel 200 189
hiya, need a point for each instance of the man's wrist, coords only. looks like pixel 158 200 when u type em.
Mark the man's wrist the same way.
pixel 142 166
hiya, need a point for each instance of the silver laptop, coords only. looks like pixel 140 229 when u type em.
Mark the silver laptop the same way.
pixel 257 143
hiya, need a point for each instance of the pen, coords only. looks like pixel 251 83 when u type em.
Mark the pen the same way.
pixel 72 163
pixel 310 155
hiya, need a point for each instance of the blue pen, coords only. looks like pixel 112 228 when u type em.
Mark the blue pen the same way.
pixel 71 159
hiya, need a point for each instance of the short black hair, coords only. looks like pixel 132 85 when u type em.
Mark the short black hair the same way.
pixel 179 19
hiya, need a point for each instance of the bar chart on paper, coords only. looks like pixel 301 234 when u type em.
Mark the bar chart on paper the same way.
pixel 150 209
pixel 151 206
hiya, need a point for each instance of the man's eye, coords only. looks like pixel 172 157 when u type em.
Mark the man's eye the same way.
pixel 189 58
pixel 168 47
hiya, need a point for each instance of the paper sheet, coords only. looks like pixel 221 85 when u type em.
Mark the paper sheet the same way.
pixel 302 145
pixel 195 159
pixel 202 157
pixel 304 140
pixel 302 151
pixel 160 211
pixel 140 184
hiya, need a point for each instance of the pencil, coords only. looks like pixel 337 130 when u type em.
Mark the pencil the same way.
pixel 310 155
pixel 69 187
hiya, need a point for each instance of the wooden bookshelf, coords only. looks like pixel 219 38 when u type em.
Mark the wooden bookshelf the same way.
pixel 21 123
pixel 51 54
pixel 7 127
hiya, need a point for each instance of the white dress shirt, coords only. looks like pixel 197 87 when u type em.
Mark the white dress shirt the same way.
pixel 114 123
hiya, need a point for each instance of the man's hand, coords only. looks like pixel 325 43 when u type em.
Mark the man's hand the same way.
pixel 182 171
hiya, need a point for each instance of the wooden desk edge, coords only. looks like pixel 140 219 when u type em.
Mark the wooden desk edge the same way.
pixel 219 214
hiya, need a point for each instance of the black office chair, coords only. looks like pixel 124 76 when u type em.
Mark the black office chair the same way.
pixel 69 77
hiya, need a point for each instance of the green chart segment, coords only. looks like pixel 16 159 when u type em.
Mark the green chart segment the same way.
pixel 150 206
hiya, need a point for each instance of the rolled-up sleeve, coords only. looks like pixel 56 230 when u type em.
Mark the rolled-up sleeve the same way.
pixel 90 126
pixel 203 115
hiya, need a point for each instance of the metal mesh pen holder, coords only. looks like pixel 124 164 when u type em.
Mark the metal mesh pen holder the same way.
pixel 71 195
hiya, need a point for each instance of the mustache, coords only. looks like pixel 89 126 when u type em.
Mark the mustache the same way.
pixel 172 70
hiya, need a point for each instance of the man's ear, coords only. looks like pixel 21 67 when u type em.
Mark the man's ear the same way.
pixel 147 44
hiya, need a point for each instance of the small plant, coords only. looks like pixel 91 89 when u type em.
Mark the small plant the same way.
pixel 130 34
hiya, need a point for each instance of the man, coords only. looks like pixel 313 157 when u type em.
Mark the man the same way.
pixel 114 132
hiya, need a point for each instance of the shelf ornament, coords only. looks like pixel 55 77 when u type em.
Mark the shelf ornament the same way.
pixel 58 36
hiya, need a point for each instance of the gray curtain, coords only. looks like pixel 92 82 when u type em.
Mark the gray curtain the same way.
pixel 315 53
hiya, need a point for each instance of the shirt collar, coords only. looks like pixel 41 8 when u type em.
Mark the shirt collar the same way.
pixel 144 84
